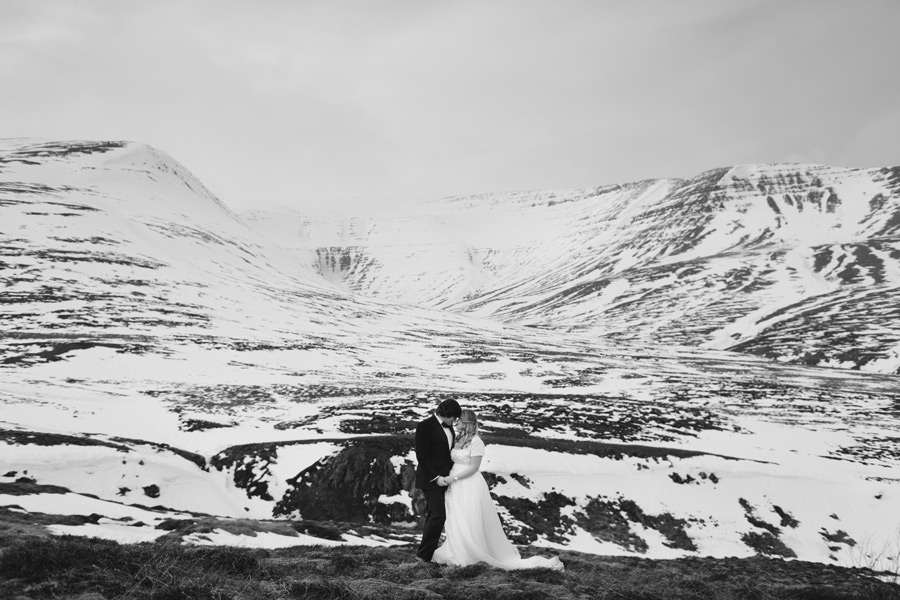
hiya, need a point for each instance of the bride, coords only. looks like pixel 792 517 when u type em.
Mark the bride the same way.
pixel 473 529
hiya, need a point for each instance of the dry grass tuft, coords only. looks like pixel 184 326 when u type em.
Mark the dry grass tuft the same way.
pixel 73 567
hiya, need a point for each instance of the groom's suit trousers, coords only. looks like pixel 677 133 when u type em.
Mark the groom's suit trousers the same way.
pixel 435 516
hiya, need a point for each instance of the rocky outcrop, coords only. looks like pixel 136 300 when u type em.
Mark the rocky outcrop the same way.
pixel 346 486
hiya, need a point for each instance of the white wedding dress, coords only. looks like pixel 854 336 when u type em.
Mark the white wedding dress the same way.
pixel 473 529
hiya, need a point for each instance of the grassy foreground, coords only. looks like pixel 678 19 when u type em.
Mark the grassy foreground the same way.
pixel 91 569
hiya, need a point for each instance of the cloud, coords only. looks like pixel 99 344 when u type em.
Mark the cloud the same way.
pixel 315 101
pixel 874 144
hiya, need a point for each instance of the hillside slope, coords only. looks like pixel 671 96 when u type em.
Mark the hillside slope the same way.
pixel 755 258
pixel 163 364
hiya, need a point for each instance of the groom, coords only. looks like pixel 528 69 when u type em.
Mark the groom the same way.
pixel 434 439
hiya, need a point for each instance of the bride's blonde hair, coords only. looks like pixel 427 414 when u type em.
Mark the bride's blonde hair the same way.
pixel 468 425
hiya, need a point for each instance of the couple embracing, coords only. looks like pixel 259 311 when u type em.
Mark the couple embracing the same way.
pixel 449 460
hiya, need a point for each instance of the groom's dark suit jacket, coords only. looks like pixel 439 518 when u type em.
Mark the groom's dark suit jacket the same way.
pixel 432 453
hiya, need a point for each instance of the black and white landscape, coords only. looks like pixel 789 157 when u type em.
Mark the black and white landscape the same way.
pixel 664 368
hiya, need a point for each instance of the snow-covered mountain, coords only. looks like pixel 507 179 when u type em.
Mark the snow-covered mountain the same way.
pixel 157 349
pixel 775 260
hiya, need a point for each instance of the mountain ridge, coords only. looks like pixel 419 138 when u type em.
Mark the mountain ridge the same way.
pixel 803 230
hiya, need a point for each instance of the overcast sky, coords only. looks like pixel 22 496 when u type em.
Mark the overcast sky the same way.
pixel 333 102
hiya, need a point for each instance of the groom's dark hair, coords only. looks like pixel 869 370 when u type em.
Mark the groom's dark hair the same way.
pixel 448 408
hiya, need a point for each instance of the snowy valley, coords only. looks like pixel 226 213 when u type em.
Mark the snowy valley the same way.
pixel 702 367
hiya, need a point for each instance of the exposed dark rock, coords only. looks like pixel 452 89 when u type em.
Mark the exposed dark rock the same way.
pixel 376 424
pixel 541 518
pixel 346 486
pixel 767 544
pixel 492 479
pixel 840 537
pixel 327 531
pixel 181 525
pixel 250 463
pixel 609 521
pixel 524 481
pixel 201 425
pixel 671 528
pixel 41 438
pixel 787 520
pixel 681 480
pixel 753 519
pixel 24 486
pixel 603 519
